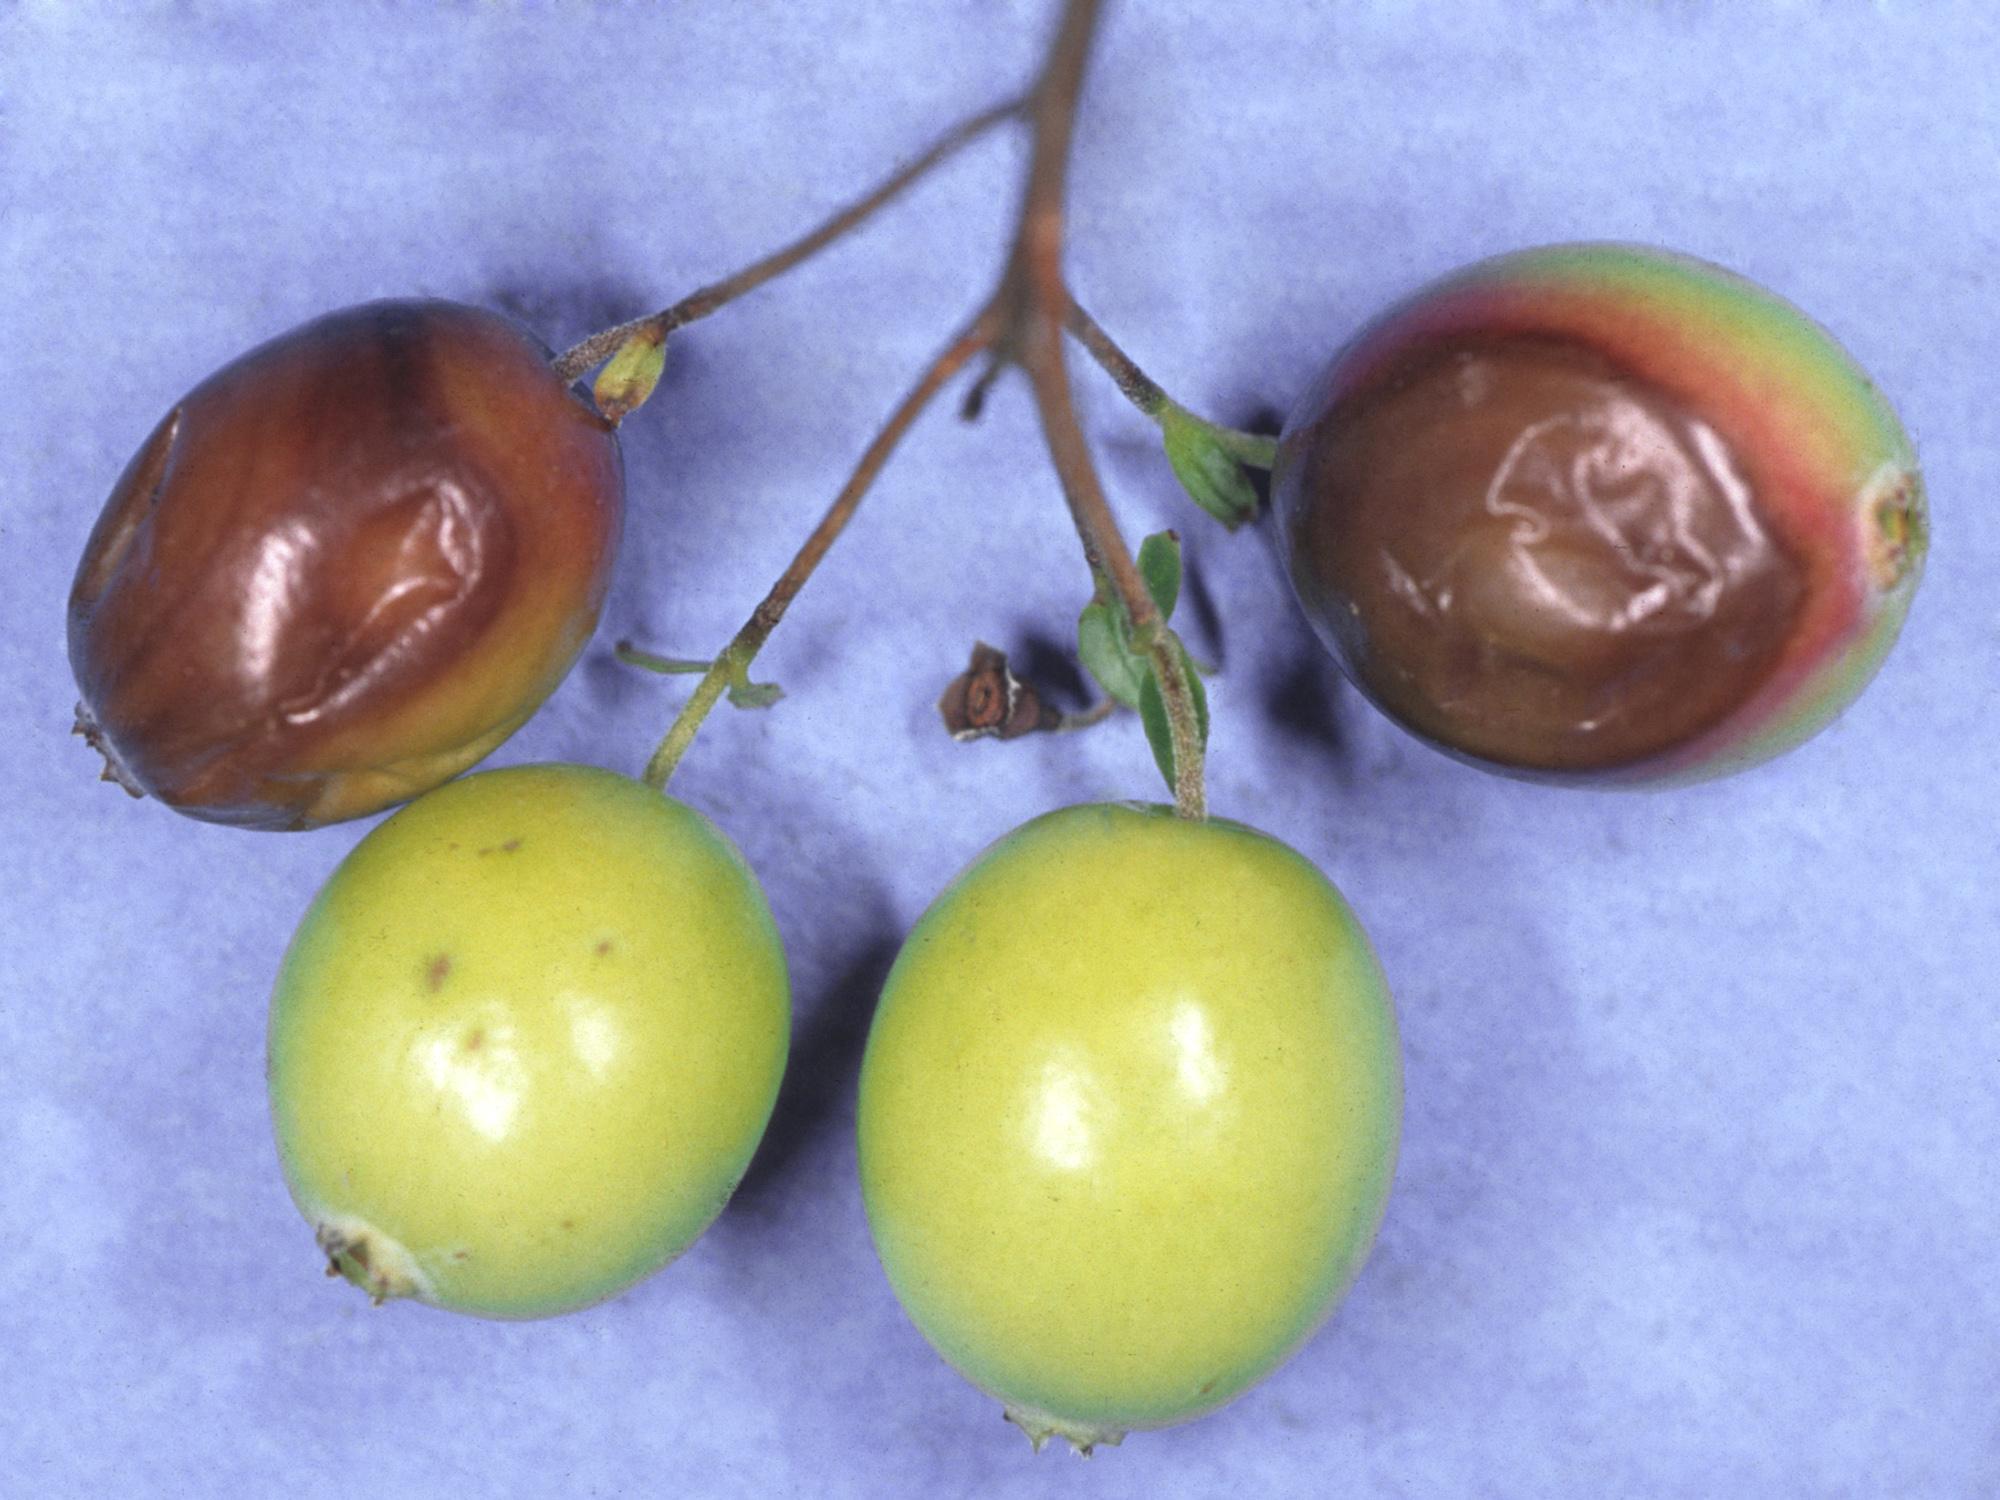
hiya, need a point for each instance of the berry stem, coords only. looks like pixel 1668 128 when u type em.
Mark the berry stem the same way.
pixel 1146 394
pixel 735 658
pixel 1133 383
pixel 1021 325
pixel 573 362
pixel 1035 302
pixel 651 661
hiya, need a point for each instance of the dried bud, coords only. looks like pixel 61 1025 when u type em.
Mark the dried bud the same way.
pixel 988 699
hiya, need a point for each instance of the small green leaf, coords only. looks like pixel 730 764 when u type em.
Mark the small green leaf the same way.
pixel 1211 475
pixel 1104 643
pixel 1160 566
pixel 631 374
pixel 742 692
pixel 1159 732
pixel 1153 713
pixel 632 656
pixel 748 694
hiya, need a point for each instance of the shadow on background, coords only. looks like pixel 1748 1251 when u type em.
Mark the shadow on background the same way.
pixel 1305 697
pixel 1050 663
pixel 823 1071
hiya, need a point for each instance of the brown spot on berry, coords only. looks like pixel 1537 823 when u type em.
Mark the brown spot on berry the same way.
pixel 603 948
pixel 569 1223
pixel 438 972
pixel 475 1039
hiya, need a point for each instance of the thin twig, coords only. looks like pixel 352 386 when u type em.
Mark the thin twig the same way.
pixel 1137 386
pixel 1021 324
pixel 1084 718
pixel 735 658
pixel 1151 399
pixel 573 362
pixel 1036 301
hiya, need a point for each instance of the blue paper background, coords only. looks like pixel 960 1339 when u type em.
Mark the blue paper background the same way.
pixel 1698 1192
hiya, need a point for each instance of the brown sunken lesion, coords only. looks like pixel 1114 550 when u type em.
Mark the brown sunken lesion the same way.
pixel 436 972
pixel 1539 558
pixel 130 507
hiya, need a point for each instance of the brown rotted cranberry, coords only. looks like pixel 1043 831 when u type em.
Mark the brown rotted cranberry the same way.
pixel 344 567
pixel 1601 513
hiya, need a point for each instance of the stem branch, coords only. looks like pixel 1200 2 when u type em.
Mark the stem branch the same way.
pixel 735 658
pixel 1146 394
pixel 1137 386
pixel 1036 304
pixel 572 363
pixel 1022 324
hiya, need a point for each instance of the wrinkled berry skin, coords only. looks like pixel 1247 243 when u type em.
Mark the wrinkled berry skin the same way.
pixel 344 567
pixel 1601 513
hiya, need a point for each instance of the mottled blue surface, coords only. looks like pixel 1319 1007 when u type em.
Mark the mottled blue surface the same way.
pixel 1699 1192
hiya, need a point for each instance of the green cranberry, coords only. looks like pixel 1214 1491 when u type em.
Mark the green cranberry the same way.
pixel 525 1042
pixel 1128 1116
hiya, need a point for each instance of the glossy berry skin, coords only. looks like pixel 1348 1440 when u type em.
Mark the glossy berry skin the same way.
pixel 344 567
pixel 1601 513
pixel 1128 1116
pixel 525 1042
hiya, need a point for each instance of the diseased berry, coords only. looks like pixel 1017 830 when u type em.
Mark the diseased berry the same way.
pixel 344 567
pixel 1601 512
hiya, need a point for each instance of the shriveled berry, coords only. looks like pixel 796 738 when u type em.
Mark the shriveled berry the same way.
pixel 344 567
pixel 1601 512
